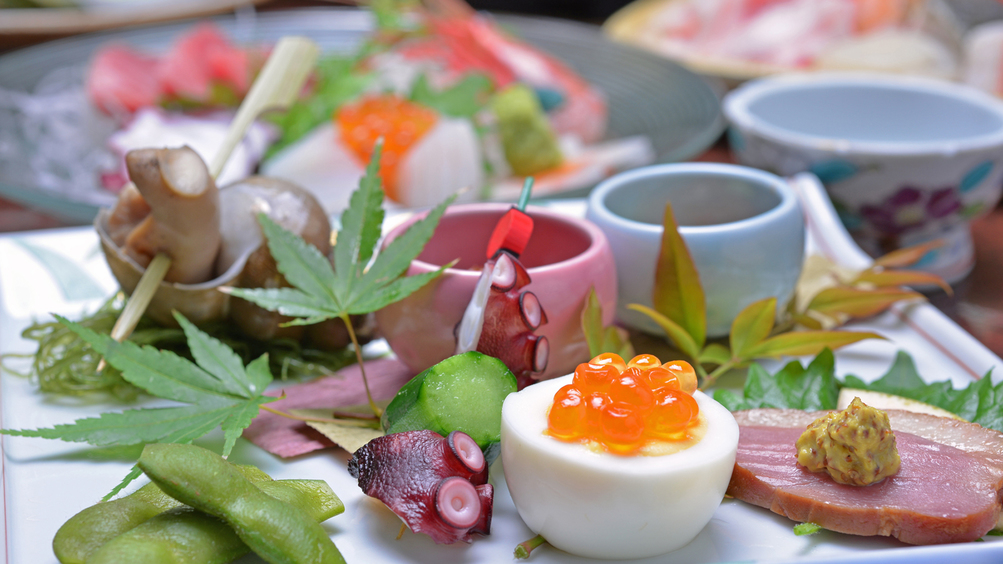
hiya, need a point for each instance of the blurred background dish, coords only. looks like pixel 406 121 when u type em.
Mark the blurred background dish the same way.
pixel 905 160
pixel 742 39
pixel 681 121
pixel 984 57
pixel 974 12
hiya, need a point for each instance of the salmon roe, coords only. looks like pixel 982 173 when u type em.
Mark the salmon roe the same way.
pixel 399 122
pixel 621 405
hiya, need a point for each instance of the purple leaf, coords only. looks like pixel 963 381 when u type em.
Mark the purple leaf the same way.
pixel 286 437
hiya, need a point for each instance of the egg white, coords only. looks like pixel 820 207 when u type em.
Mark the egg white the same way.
pixel 602 505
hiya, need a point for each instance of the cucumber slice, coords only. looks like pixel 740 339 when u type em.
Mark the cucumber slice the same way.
pixel 462 393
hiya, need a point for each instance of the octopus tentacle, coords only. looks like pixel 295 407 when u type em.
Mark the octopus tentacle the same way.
pixel 436 485
pixel 511 317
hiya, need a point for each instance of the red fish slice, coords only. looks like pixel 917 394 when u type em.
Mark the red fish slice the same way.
pixel 120 80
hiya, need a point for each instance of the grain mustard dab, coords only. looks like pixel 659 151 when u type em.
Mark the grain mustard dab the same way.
pixel 855 446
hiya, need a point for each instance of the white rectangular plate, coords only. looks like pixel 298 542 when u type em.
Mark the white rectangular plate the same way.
pixel 46 482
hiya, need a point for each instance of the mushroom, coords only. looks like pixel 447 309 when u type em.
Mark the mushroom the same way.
pixel 182 219
pixel 172 209
pixel 176 209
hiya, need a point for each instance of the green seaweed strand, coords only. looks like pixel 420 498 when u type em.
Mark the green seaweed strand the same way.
pixel 64 364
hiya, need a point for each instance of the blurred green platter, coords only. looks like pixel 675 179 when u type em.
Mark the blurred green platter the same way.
pixel 677 110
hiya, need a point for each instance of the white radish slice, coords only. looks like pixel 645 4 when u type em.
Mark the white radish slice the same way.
pixel 457 502
pixel 503 277
pixel 465 448
pixel 541 355
pixel 322 164
pixel 445 160
pixel 468 334
pixel 529 306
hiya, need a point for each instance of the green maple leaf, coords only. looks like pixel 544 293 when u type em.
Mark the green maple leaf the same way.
pixel 321 292
pixel 356 284
pixel 218 389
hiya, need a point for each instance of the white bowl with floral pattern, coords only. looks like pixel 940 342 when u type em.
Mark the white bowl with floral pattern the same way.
pixel 905 160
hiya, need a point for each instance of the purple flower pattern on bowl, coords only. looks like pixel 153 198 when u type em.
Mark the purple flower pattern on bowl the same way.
pixel 909 208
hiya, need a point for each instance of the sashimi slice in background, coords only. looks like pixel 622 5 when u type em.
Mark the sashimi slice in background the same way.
pixel 202 68
pixel 121 80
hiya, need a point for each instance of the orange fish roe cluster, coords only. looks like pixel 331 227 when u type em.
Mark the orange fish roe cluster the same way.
pixel 624 405
pixel 399 122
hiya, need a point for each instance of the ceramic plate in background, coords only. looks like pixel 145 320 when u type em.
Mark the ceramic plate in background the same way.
pixel 80 16
pixel 933 51
pixel 648 95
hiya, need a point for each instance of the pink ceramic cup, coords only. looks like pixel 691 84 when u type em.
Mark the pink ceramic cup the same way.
pixel 565 257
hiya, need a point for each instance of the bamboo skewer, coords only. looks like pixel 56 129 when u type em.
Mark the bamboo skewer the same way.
pixel 276 87
pixel 140 298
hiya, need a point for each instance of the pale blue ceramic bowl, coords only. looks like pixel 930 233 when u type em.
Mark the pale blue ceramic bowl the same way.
pixel 905 160
pixel 743 227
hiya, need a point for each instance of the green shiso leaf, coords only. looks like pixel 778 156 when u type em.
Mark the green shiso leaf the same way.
pixel 794 386
pixel 979 402
pixel 816 387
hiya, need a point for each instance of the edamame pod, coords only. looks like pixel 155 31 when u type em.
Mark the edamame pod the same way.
pixel 181 535
pixel 279 532
pixel 85 532
pixel 313 496
pixel 185 535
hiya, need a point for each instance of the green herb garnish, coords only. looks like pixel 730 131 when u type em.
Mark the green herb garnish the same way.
pixel 461 100
pixel 392 15
pixel 805 529
pixel 357 284
pixel 218 389
pixel 979 402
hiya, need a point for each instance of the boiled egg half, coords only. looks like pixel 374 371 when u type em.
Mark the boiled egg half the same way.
pixel 592 503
